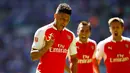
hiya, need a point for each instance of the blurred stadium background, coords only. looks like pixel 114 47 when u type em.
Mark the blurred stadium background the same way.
pixel 19 19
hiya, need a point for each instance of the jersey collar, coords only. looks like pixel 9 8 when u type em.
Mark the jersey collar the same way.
pixel 116 41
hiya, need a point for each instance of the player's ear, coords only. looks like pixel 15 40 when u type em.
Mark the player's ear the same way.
pixel 123 28
pixel 90 34
pixel 55 15
pixel 77 32
pixel 110 29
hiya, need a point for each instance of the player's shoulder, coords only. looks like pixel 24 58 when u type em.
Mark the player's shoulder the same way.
pixel 69 31
pixel 92 41
pixel 77 39
pixel 105 41
pixel 126 38
pixel 44 28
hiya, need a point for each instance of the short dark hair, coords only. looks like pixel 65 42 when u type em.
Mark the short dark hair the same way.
pixel 84 23
pixel 116 19
pixel 64 8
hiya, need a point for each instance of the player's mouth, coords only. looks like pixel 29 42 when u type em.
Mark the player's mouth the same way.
pixel 83 37
pixel 116 34
pixel 62 26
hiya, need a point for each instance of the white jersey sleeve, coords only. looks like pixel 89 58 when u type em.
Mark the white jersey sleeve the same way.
pixel 39 42
pixel 94 54
pixel 72 49
pixel 126 38
pixel 100 50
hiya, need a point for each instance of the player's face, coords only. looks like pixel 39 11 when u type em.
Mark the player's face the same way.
pixel 84 33
pixel 116 29
pixel 62 19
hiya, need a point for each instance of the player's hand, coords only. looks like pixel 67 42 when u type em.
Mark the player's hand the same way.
pixel 49 42
pixel 69 71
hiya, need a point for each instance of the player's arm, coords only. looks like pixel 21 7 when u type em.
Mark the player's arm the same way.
pixel 98 60
pixel 74 63
pixel 72 68
pixel 36 54
pixel 73 56
pixel 40 45
pixel 96 66
pixel 99 54
pixel 67 68
pixel 95 62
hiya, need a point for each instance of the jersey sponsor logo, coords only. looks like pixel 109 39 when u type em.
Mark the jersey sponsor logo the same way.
pixel 85 59
pixel 126 45
pixel 36 39
pixel 119 58
pixel 124 59
pixel 59 49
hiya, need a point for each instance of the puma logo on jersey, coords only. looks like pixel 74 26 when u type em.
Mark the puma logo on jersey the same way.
pixel 69 37
pixel 109 47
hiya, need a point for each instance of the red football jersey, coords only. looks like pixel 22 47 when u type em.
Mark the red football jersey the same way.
pixel 53 61
pixel 85 53
pixel 116 54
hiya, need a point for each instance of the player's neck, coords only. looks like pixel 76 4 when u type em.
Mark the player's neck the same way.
pixel 117 38
pixel 83 41
pixel 57 27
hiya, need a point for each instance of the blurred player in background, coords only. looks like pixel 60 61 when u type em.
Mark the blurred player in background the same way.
pixel 86 49
pixel 115 50
pixel 52 43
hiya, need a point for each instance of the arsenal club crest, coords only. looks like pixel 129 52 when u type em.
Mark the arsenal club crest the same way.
pixel 69 37
pixel 92 47
pixel 126 45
